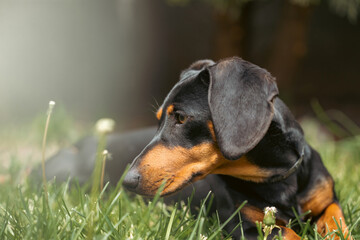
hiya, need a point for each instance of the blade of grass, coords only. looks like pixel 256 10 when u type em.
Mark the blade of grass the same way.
pixel 227 221
pixel 5 223
pixel 171 221
pixel 199 216
pixel 321 114
pixel 25 206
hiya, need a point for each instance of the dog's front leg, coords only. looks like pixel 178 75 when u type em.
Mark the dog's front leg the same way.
pixel 289 234
pixel 321 200
pixel 326 223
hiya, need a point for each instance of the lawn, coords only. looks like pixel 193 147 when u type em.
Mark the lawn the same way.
pixel 70 211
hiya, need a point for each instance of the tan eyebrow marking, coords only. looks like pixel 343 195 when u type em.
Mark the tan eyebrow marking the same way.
pixel 170 109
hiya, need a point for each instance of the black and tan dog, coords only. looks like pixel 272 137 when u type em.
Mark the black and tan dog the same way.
pixel 224 123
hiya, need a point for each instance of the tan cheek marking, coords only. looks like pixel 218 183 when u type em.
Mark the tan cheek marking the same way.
pixel 319 197
pixel 159 113
pixel 243 169
pixel 170 109
pixel 326 223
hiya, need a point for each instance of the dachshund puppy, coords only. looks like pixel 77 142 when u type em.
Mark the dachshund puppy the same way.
pixel 223 127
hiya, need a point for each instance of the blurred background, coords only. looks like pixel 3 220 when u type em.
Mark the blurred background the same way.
pixel 119 58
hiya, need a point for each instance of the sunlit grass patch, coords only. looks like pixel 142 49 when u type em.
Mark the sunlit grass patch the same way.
pixel 24 215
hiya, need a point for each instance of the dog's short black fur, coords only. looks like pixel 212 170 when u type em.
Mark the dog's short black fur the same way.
pixel 221 128
pixel 225 118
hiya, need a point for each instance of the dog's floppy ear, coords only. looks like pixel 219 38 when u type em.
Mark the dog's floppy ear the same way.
pixel 241 104
pixel 195 68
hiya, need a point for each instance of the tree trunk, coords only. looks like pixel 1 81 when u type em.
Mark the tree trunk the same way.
pixel 231 33
pixel 290 44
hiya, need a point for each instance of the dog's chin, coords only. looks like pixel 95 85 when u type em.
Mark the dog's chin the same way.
pixel 174 188
pixel 170 189
pixel 167 191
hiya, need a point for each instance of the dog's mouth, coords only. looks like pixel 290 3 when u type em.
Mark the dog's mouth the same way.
pixel 196 176
pixel 172 185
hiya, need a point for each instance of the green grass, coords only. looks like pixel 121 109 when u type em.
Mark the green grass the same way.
pixel 69 215
pixel 72 213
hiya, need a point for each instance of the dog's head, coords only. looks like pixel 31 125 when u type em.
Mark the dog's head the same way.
pixel 211 118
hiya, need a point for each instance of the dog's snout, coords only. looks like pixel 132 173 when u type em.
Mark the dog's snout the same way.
pixel 132 179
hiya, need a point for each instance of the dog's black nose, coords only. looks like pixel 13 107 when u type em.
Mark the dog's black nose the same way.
pixel 132 179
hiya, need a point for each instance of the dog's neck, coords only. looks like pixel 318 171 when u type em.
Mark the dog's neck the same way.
pixel 283 145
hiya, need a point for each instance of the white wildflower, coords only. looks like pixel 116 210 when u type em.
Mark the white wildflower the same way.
pixel 269 216
pixel 105 125
pixel 51 107
pixel 269 221
pixel 202 237
pixel 267 210
pixel 51 104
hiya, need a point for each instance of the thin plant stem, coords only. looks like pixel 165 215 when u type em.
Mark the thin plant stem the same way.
pixel 105 153
pixel 51 106
pixel 96 175
pixel 103 127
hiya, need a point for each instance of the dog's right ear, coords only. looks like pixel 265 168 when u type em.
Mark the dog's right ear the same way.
pixel 195 68
pixel 241 104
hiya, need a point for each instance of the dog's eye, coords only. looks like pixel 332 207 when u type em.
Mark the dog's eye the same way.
pixel 180 118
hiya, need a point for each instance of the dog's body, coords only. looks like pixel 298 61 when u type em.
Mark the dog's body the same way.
pixel 78 161
pixel 225 118
pixel 223 128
